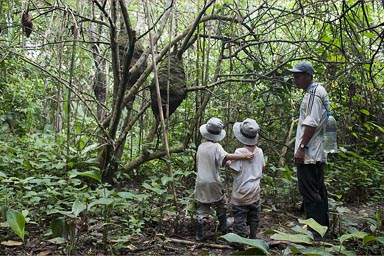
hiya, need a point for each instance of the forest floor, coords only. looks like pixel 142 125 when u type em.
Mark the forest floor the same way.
pixel 171 239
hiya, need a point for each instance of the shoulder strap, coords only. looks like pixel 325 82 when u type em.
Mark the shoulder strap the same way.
pixel 312 97
pixel 312 94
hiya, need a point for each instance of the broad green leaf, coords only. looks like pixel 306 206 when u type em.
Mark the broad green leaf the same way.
pixel 342 210
pixel 314 251
pixel 16 221
pixel 91 161
pixel 57 240
pixel 300 230
pixel 78 207
pixel 364 111
pixel 59 211
pixel 91 174
pixel 295 238
pixel 370 35
pixel 3 174
pixel 336 249
pixel 380 239
pixel 345 237
pixel 25 213
pixel 126 195
pixel 270 232
pixel 28 165
pixel 102 201
pixel 368 239
pixel 59 228
pixel 165 179
pixel 90 148
pixel 257 243
pixel 307 250
pixel 315 226
pixel 106 201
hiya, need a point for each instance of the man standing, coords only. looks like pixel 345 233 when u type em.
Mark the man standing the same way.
pixel 309 154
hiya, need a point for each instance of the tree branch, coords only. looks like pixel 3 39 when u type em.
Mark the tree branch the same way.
pixel 192 28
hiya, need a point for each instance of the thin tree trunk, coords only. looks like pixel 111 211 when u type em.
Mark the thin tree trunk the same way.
pixel 159 103
pixel 288 141
pixel 69 99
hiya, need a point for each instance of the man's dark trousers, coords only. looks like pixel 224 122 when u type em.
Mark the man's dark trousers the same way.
pixel 312 188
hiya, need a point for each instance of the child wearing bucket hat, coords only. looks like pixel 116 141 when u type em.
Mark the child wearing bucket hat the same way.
pixel 245 198
pixel 208 188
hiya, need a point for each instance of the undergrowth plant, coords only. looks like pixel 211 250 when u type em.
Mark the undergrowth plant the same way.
pixel 297 240
pixel 16 221
pixel 356 178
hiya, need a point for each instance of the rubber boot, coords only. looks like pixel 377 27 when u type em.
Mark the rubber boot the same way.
pixel 318 212
pixel 223 224
pixel 253 230
pixel 199 231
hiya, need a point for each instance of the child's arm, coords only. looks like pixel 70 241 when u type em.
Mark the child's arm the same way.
pixel 247 156
pixel 229 157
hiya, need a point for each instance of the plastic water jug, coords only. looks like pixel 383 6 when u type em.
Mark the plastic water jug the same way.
pixel 330 135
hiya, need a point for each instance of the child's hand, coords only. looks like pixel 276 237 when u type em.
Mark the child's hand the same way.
pixel 228 163
pixel 249 156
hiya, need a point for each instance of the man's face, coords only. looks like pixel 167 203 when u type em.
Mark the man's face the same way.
pixel 302 80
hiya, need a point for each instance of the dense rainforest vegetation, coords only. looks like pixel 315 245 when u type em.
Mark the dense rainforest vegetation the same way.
pixel 101 103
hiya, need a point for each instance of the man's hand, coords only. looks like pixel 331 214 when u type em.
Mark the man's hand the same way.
pixel 299 156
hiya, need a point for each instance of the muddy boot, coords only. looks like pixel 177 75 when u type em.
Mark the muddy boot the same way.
pixel 223 228
pixel 199 231
pixel 253 230
pixel 317 211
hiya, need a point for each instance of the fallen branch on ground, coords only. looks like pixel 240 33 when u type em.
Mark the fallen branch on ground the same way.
pixel 187 242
